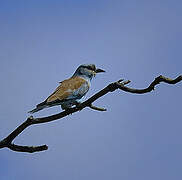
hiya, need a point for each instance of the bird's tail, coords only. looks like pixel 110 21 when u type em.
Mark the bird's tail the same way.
pixel 38 107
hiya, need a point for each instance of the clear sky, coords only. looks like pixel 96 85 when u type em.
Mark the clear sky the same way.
pixel 42 42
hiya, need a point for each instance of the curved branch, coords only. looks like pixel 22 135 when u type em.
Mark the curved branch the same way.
pixel 97 108
pixel 30 149
pixel 151 87
pixel 7 142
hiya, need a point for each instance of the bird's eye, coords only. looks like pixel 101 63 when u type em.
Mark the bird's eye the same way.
pixel 90 68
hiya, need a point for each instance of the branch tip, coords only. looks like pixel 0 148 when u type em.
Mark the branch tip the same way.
pixel 97 108
pixel 29 149
pixel 119 81
pixel 126 82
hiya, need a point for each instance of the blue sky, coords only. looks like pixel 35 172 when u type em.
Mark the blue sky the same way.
pixel 43 42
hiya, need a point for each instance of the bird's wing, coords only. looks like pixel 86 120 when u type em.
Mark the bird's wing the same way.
pixel 69 89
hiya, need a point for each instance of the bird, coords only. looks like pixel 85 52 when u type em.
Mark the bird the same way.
pixel 70 91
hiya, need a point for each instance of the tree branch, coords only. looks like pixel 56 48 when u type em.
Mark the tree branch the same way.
pixel 97 108
pixel 7 142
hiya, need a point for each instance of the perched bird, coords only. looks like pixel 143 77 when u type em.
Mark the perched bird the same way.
pixel 71 90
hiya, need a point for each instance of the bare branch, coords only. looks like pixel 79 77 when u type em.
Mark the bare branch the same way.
pixel 151 86
pixel 97 108
pixel 7 142
pixel 29 149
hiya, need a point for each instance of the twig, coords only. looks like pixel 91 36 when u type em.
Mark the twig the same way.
pixel 7 142
pixel 151 86
pixel 97 108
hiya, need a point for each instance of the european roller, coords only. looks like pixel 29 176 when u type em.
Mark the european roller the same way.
pixel 71 90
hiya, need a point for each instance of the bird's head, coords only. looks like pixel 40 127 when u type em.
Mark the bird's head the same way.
pixel 88 70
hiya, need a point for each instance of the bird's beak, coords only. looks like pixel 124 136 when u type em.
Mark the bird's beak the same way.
pixel 99 70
